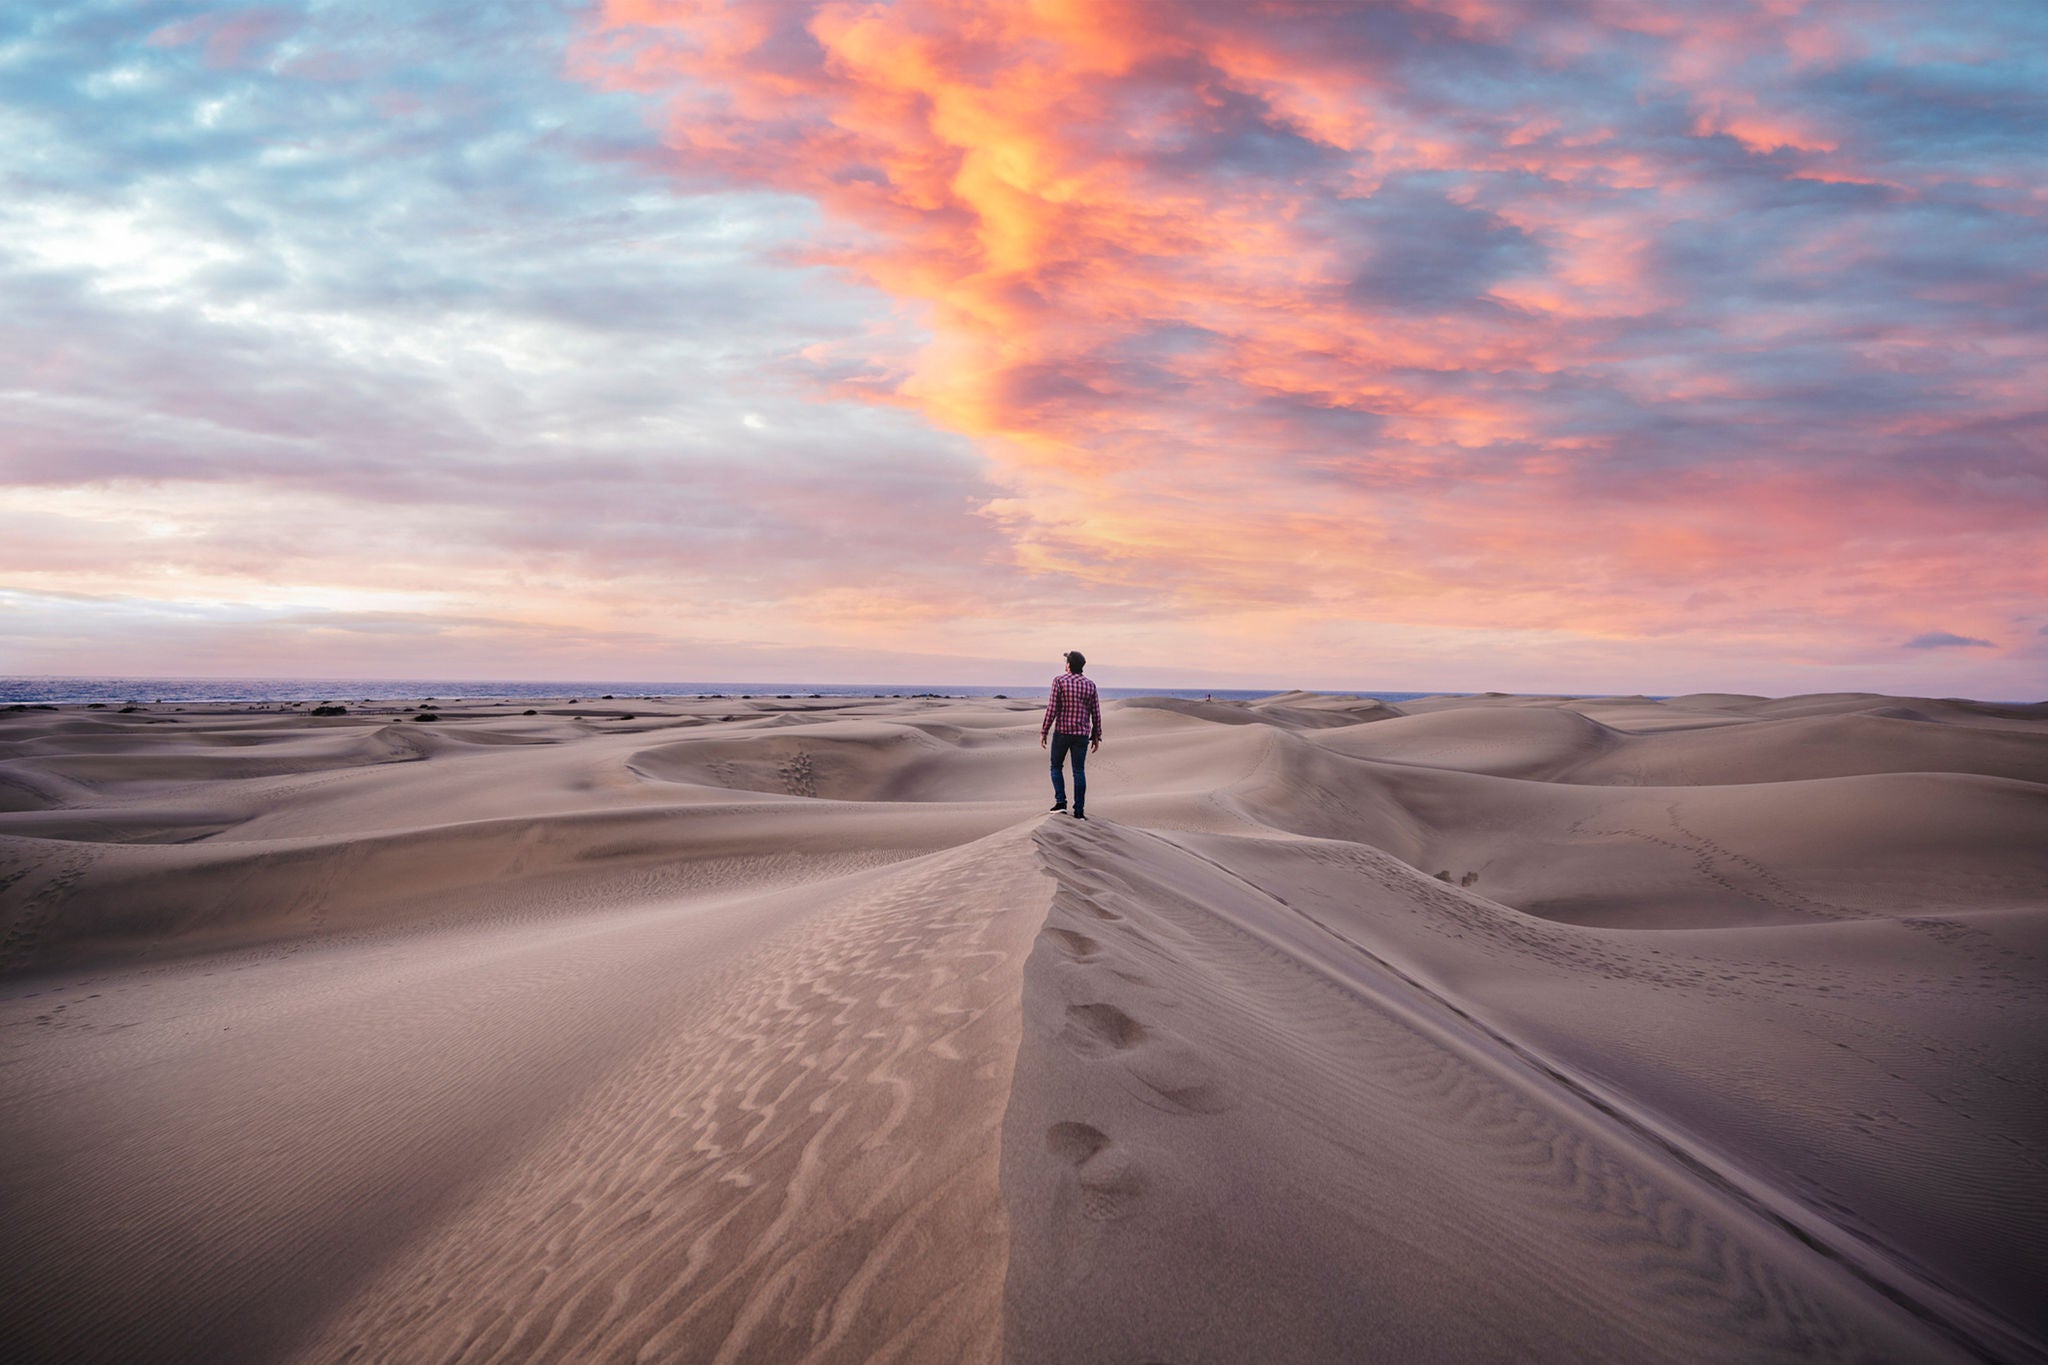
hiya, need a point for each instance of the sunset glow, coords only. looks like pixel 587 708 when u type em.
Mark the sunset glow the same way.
pixel 1630 347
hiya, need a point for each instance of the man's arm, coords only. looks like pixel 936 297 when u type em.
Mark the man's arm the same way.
pixel 1095 718
pixel 1052 703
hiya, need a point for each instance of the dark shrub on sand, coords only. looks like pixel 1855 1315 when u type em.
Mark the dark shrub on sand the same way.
pixel 330 710
pixel 426 715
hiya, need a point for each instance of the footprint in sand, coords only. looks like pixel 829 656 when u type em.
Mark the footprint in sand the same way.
pixel 1096 1030
pixel 1077 947
pixel 1081 951
pixel 1170 1070
pixel 1110 1180
pixel 1095 906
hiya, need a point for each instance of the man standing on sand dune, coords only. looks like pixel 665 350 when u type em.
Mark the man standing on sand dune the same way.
pixel 1074 718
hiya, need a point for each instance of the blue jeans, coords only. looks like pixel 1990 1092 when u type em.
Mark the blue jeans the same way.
pixel 1077 745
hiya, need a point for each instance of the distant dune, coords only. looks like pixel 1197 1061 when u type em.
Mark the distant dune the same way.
pixel 1467 1028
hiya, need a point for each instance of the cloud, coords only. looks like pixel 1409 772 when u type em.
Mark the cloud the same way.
pixel 1499 321
pixel 368 301
pixel 1279 333
pixel 1424 251
pixel 1941 639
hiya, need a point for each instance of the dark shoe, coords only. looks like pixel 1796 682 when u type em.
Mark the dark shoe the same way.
pixel 1058 805
pixel 1079 816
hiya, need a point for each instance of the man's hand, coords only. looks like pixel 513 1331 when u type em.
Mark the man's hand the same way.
pixel 1041 741
pixel 1093 745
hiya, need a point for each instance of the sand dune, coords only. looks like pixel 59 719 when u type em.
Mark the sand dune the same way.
pixel 1477 1028
pixel 1559 745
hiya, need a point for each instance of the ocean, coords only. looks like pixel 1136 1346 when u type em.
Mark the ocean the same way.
pixel 146 691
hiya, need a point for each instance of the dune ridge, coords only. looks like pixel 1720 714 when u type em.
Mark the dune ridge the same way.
pixel 735 1029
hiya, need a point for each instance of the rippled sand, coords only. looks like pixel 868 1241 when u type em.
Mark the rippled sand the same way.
pixel 1488 1028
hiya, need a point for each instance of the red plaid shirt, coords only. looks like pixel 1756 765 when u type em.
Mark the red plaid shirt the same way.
pixel 1072 707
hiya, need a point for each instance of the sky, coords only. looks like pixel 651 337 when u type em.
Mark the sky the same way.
pixel 1593 346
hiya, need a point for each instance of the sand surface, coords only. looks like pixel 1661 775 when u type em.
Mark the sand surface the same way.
pixel 780 1029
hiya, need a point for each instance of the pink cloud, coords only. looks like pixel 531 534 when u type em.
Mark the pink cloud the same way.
pixel 1247 309
pixel 240 38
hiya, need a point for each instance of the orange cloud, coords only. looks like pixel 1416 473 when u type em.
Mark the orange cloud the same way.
pixel 1311 309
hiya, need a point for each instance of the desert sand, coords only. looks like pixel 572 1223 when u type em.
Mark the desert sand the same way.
pixel 776 1029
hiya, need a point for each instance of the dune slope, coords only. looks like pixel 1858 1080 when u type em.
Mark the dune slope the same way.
pixel 1479 1028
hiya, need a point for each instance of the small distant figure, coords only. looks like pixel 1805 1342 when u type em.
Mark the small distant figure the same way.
pixel 1073 717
